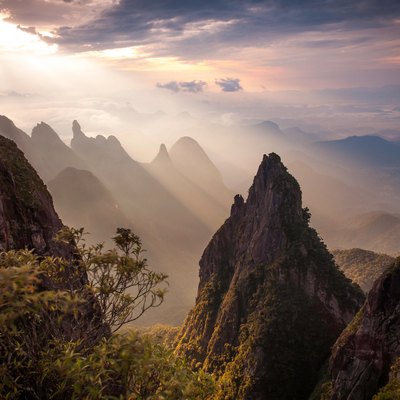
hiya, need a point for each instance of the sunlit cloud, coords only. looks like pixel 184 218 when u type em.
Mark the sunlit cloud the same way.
pixel 18 41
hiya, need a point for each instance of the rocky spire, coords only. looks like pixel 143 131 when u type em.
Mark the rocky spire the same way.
pixel 162 158
pixel 76 130
pixel 271 301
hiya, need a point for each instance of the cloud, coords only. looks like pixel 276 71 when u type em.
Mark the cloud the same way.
pixel 229 84
pixel 173 86
pixel 194 26
pixel 191 86
pixel 53 13
pixel 28 29
pixel 278 43
pixel 32 31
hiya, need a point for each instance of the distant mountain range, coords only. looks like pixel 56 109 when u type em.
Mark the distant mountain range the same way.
pixel 377 231
pixel 363 267
pixel 370 150
pixel 174 203
pixel 179 199
pixel 84 201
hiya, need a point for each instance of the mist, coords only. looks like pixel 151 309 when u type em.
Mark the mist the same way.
pixel 182 193
pixel 157 127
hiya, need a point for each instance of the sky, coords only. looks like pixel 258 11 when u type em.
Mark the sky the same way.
pixel 114 63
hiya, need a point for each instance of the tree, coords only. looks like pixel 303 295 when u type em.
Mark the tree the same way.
pixel 119 279
pixel 56 338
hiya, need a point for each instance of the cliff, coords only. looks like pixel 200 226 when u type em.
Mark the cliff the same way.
pixel 365 352
pixel 271 301
pixel 27 216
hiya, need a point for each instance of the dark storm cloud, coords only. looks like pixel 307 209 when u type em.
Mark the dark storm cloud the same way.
pixel 247 22
pixel 229 84
pixel 191 86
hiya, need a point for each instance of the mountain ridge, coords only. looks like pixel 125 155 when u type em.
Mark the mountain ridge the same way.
pixel 263 268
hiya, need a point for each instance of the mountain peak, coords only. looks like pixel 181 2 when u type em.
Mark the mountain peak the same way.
pixel 191 159
pixel 113 141
pixel 263 268
pixel 77 131
pixel 187 141
pixel 272 180
pixel 162 158
pixel 10 131
pixel 6 122
pixel 44 132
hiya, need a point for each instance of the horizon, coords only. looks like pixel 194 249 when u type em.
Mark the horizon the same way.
pixel 131 69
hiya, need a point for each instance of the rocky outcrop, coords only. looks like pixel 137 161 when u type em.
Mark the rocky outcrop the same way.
pixel 271 301
pixel 55 153
pixel 27 216
pixel 363 355
pixel 46 152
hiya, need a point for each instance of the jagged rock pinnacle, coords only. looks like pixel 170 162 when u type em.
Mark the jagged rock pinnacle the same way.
pixel 267 284
pixel 43 131
pixel 76 129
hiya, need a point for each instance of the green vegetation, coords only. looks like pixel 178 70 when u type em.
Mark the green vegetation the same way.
pixel 57 319
pixel 362 266
pixel 286 326
pixel 162 334
pixel 17 171
pixel 391 391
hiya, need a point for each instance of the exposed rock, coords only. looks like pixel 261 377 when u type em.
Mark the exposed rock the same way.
pixel 271 301
pixel 370 345
pixel 27 216
pixel 46 152
pixel 56 155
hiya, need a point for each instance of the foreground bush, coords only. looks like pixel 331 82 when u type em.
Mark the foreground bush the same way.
pixel 56 339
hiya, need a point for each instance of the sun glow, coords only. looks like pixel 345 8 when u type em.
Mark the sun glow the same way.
pixel 14 40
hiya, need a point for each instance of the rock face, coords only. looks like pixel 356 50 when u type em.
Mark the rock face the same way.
pixel 271 301
pixel 55 153
pixel 46 152
pixel 27 215
pixel 370 345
